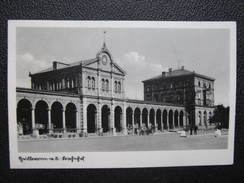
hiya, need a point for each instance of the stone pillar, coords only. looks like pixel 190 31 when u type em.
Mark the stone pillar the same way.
pixel 33 118
pixel 197 121
pixel 132 119
pixel 84 111
pixel 77 121
pixel 112 128
pixel 50 130
pixel 140 119
pixel 64 125
pixel 184 119
pixel 33 123
pixel 155 121
pixel 167 121
pixel 173 117
pixel 178 120
pixel 124 128
pixel 99 119
pixel 109 121
pixel 111 85
pixel 148 119
pixel 161 122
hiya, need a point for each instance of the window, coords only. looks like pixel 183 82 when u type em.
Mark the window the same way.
pixel 209 86
pixel 115 86
pixel 119 88
pixel 199 83
pixel 106 85
pixel 67 83
pixel 93 83
pixel 103 84
pixel 88 82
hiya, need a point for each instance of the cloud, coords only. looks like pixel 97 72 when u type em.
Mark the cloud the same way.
pixel 138 68
pixel 26 63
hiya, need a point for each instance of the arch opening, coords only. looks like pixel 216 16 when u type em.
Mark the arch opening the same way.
pixel 158 119
pixel 145 117
pixel 105 118
pixel 176 119
pixel 70 117
pixel 152 117
pixel 24 118
pixel 137 116
pixel 181 119
pixel 41 116
pixel 118 118
pixel 91 118
pixel 171 119
pixel 57 115
pixel 129 116
pixel 165 115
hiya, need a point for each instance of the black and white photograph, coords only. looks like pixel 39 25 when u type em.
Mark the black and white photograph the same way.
pixel 107 94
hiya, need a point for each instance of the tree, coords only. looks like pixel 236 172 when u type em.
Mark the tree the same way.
pixel 221 116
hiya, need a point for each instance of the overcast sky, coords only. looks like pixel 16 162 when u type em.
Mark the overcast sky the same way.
pixel 142 53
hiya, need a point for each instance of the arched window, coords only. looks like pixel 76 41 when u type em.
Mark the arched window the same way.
pixel 119 87
pixel 103 84
pixel 72 83
pixel 93 83
pixel 88 82
pixel 68 84
pixel 50 86
pixel 115 86
pixel 107 85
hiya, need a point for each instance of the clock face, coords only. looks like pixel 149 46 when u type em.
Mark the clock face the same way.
pixel 104 59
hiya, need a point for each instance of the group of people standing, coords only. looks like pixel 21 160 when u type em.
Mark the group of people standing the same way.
pixel 141 130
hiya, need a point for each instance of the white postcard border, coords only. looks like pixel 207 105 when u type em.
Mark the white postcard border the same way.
pixel 119 159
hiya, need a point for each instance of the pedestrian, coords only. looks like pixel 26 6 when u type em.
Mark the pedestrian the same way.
pixel 191 130
pixel 195 129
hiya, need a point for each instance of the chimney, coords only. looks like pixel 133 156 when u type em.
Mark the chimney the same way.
pixel 182 68
pixel 55 65
pixel 163 73
pixel 170 69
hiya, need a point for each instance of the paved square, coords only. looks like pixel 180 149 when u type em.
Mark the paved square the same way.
pixel 170 141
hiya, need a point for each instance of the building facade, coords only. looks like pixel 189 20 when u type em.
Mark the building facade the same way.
pixel 88 97
pixel 183 87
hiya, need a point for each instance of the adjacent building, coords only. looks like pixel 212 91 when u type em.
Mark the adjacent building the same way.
pixel 183 87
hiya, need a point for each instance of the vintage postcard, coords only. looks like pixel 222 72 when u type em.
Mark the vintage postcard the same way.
pixel 121 94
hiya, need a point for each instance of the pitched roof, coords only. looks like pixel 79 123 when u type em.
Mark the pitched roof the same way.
pixel 67 65
pixel 176 73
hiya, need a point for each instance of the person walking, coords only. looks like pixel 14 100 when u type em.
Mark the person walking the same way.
pixel 195 129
